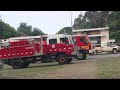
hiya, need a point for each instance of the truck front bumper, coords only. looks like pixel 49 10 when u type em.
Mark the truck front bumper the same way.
pixel 73 53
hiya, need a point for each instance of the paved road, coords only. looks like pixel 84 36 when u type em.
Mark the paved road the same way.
pixel 103 56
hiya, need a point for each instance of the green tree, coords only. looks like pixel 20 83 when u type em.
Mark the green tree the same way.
pixel 24 29
pixel 115 35
pixel 36 32
pixel 67 30
pixel 92 19
pixel 115 20
pixel 115 25
pixel 6 31
pixel 96 19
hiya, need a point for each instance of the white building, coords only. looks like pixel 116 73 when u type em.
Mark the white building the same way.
pixel 97 36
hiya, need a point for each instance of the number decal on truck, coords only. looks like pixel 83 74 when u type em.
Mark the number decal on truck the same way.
pixel 84 47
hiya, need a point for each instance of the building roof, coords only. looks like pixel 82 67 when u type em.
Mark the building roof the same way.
pixel 92 29
pixel 97 35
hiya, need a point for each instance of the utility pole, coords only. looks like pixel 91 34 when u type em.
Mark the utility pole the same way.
pixel 71 22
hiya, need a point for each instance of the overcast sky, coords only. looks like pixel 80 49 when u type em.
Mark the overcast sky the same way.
pixel 50 22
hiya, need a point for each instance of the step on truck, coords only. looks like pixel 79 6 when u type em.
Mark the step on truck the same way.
pixel 19 52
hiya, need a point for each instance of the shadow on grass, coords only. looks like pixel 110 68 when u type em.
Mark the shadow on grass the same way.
pixel 49 65
pixel 39 65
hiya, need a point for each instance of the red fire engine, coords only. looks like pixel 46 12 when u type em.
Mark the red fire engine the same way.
pixel 83 46
pixel 21 51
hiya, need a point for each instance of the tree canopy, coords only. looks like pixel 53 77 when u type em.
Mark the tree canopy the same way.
pixel 92 19
pixel 67 30
pixel 6 31
pixel 37 32
pixel 24 29
pixel 28 30
pixel 97 19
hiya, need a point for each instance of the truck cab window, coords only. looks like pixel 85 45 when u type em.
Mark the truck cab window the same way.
pixel 74 39
pixel 71 40
pixel 83 40
pixel 45 38
pixel 52 41
pixel 64 40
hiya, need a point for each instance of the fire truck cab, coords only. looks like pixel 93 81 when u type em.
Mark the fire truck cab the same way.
pixel 58 45
pixel 25 50
pixel 83 46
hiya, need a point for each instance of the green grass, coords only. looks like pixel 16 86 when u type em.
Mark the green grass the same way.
pixel 28 73
pixel 108 69
pixel 105 69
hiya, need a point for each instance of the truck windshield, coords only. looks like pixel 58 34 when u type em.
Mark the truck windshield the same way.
pixel 72 41
pixel 83 40
pixel 52 41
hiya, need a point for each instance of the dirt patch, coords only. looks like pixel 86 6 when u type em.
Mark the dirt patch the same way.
pixel 76 70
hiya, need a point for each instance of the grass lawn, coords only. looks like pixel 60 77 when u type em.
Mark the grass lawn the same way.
pixel 28 73
pixel 105 69
pixel 108 69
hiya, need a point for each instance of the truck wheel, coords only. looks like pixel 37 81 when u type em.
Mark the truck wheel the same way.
pixel 17 64
pixel 114 51
pixel 25 65
pixel 81 56
pixel 62 59
pixel 96 52
pixel 69 60
pixel 44 61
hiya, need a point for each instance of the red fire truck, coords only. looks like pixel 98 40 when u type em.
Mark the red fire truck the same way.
pixel 21 51
pixel 83 46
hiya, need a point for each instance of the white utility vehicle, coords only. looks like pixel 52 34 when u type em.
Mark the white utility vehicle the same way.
pixel 112 48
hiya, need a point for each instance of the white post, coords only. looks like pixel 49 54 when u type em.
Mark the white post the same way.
pixel 71 22
pixel 41 44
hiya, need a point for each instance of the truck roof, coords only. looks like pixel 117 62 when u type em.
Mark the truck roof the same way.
pixel 33 37
pixel 27 37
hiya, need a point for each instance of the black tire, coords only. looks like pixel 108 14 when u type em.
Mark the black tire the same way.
pixel 17 64
pixel 96 52
pixel 69 60
pixel 114 51
pixel 92 53
pixel 62 59
pixel 25 65
pixel 81 56
pixel 44 61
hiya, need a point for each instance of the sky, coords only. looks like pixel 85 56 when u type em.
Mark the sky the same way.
pixel 50 22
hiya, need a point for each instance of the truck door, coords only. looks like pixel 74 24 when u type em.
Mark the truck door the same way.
pixel 51 47
pixel 65 42
pixel 83 43
pixel 107 47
